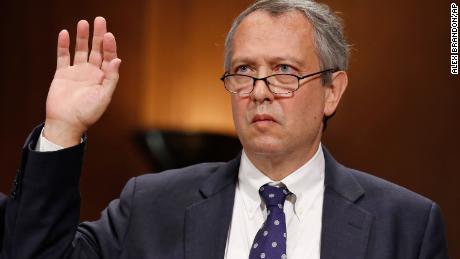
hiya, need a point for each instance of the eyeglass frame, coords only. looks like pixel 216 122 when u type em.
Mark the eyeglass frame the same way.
pixel 254 79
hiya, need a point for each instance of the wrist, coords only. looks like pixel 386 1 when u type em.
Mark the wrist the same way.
pixel 62 133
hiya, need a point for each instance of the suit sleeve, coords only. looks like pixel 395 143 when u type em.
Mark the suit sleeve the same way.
pixel 3 202
pixel 42 219
pixel 434 244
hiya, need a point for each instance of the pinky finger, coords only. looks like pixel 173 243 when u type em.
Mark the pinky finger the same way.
pixel 63 55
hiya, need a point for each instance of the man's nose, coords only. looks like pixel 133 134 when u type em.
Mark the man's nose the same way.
pixel 261 92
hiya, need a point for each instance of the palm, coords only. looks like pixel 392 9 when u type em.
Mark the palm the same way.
pixel 77 96
pixel 80 93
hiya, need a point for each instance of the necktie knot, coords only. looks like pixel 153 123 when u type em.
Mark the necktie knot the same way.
pixel 273 195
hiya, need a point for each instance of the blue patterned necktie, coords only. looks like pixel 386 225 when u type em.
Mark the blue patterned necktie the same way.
pixel 270 240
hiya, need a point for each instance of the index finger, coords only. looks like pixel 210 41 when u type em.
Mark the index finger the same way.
pixel 63 54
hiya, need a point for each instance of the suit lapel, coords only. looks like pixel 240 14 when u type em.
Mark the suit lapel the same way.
pixel 345 226
pixel 207 221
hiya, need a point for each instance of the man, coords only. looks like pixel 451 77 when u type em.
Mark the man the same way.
pixel 283 197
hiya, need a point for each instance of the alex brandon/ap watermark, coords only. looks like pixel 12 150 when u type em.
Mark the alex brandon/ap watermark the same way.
pixel 454 39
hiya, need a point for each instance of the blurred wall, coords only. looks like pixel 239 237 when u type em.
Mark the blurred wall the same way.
pixel 398 119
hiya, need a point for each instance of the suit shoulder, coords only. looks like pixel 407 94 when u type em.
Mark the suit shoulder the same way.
pixel 179 187
pixel 389 194
pixel 188 178
pixel 401 216
pixel 189 175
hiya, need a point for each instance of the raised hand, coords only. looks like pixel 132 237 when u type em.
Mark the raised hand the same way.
pixel 80 93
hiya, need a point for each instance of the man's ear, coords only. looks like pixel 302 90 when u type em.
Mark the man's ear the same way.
pixel 334 92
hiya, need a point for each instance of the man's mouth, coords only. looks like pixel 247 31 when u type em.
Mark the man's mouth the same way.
pixel 263 118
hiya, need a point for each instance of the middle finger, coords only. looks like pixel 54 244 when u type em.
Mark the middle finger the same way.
pixel 81 46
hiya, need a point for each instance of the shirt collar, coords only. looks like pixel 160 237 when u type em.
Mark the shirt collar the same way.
pixel 303 183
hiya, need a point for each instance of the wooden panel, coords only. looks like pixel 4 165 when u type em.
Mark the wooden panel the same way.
pixel 183 64
pixel 398 118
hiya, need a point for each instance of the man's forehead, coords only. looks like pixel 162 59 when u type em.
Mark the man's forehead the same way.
pixel 292 18
pixel 274 37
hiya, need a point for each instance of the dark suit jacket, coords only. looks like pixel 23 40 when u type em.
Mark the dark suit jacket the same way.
pixel 3 202
pixel 185 213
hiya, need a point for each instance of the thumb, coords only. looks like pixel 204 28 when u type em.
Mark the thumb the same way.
pixel 111 75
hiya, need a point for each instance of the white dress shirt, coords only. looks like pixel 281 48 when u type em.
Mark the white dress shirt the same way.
pixel 303 209
pixel 44 145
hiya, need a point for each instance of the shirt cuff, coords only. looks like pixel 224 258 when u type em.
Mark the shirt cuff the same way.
pixel 44 145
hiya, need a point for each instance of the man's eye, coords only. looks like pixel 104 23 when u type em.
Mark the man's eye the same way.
pixel 242 69
pixel 285 69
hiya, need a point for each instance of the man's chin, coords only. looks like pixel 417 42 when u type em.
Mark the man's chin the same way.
pixel 263 147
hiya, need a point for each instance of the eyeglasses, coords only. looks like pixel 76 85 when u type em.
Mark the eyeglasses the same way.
pixel 277 83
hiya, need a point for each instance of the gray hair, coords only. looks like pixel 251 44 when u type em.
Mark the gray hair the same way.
pixel 329 40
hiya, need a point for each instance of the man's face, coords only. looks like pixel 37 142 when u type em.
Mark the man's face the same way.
pixel 269 124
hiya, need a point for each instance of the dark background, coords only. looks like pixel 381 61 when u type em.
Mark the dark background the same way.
pixel 398 119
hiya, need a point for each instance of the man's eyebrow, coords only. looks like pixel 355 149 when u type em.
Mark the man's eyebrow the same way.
pixel 243 60
pixel 272 59
pixel 288 59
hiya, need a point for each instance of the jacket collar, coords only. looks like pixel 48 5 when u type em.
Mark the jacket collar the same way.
pixel 223 177
pixel 346 227
pixel 340 179
pixel 207 221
